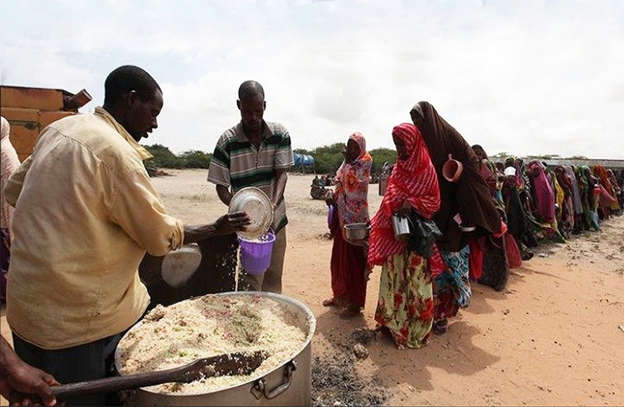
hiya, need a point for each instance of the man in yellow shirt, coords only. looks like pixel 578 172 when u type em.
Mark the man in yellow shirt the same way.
pixel 85 215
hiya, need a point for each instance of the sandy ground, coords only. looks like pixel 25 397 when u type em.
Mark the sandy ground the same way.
pixel 552 338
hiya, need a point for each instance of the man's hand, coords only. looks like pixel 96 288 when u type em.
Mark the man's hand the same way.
pixel 24 383
pixel 232 223
pixel 225 225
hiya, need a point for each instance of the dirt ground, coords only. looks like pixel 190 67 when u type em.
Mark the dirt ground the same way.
pixel 554 337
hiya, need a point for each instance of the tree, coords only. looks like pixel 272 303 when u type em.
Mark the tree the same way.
pixel 380 156
pixel 327 159
pixel 163 157
pixel 195 159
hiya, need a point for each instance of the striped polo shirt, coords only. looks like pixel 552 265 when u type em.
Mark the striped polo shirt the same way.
pixel 236 163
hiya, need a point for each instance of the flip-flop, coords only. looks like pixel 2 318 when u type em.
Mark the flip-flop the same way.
pixel 440 327
pixel 331 302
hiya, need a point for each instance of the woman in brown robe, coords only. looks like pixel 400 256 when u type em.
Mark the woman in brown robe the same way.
pixel 469 196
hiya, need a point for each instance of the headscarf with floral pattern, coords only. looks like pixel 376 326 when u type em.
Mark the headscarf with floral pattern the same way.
pixel 352 180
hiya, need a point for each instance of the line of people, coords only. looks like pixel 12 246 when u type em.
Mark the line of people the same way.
pixel 488 218
pixel 86 213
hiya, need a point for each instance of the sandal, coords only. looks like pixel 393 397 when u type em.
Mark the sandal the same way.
pixel 330 302
pixel 440 327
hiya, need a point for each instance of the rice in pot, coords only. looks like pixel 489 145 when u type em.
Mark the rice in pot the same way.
pixel 208 326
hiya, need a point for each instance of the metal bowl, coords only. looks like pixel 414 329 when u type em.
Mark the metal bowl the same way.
pixel 257 205
pixel 356 231
pixel 179 265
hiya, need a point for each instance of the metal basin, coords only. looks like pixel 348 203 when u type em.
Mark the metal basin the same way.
pixel 356 231
pixel 286 385
pixel 257 205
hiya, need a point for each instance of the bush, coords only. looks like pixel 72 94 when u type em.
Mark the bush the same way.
pixel 327 159
pixel 380 156
pixel 195 159
pixel 163 158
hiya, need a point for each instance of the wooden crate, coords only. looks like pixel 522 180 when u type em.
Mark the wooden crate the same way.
pixel 46 118
pixel 25 128
pixel 32 98
pixel 30 110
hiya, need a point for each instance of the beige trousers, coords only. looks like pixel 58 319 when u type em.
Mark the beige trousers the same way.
pixel 271 280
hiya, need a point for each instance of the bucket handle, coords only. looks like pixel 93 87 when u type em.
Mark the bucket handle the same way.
pixel 259 388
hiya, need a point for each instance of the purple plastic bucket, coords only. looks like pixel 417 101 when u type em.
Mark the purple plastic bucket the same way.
pixel 255 254
pixel 330 216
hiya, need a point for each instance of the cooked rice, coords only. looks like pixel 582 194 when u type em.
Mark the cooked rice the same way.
pixel 208 326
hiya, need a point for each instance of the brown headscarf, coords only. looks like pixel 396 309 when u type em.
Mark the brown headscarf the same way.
pixel 470 196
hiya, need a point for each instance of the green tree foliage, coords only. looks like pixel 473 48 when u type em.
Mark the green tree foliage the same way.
pixel 163 157
pixel 380 156
pixel 195 159
pixel 327 159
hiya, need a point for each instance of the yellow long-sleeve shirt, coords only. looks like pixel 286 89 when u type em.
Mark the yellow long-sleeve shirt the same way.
pixel 85 214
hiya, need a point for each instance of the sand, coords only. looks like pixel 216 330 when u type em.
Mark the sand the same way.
pixel 552 338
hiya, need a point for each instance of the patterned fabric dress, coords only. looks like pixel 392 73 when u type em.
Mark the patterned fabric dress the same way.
pixel 452 288
pixel 405 306
pixel 348 262
pixel 544 199
pixel 352 180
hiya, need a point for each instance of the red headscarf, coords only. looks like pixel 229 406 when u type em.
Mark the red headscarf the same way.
pixel 414 180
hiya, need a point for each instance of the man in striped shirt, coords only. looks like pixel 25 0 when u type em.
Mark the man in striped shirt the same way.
pixel 255 153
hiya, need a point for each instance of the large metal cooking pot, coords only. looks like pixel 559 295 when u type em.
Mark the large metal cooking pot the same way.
pixel 287 385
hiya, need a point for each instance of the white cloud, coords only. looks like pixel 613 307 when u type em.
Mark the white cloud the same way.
pixel 518 76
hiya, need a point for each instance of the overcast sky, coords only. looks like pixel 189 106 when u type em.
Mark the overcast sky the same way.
pixel 524 76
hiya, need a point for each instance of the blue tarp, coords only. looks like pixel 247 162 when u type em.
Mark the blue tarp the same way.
pixel 303 159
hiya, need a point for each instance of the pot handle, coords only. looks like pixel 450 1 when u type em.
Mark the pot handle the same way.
pixel 259 388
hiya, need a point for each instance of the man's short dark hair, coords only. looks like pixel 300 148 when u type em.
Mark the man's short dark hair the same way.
pixel 125 79
pixel 250 89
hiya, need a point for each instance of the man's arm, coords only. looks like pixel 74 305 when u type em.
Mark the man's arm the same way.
pixel 137 209
pixel 225 225
pixel 224 194
pixel 18 377
pixel 280 185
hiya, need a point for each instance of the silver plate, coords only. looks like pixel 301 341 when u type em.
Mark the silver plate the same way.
pixel 257 205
